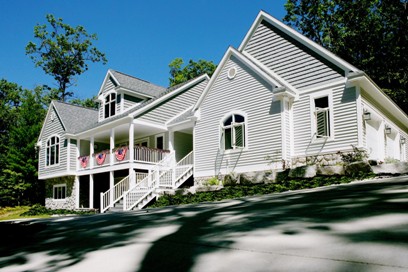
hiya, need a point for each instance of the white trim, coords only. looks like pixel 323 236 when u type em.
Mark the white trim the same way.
pixel 178 115
pixel 68 153
pixel 50 108
pixel 233 52
pixel 221 128
pixel 59 151
pixel 298 37
pixel 149 124
pixel 141 140
pixel 360 120
pixel 62 185
pixel 312 97
pixel 169 95
pixel 108 74
pixel 283 127
pixel 155 140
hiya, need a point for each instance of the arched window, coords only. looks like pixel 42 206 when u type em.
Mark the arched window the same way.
pixel 52 152
pixel 233 132
pixel 110 105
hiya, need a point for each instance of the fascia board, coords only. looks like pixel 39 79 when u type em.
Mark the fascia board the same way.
pixel 108 74
pixel 121 89
pixel 169 95
pixel 298 37
pixel 45 119
pixel 242 58
pixel 376 92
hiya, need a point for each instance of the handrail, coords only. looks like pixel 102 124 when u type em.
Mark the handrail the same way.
pixel 151 180
pixel 114 194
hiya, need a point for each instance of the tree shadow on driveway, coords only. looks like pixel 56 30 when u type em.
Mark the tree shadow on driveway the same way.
pixel 287 223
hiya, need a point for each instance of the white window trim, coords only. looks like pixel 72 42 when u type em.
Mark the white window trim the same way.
pixel 53 192
pixel 141 140
pixel 155 140
pixel 104 103
pixel 220 133
pixel 329 94
pixel 59 151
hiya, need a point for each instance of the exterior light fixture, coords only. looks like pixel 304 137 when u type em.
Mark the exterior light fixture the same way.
pixel 402 140
pixel 367 115
pixel 387 130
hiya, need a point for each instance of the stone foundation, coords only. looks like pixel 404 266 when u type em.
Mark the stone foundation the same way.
pixel 69 202
pixel 321 160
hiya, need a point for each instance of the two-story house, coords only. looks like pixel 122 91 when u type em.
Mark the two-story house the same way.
pixel 278 96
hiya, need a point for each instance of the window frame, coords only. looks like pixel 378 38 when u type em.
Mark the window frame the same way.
pixel 313 115
pixel 57 151
pixel 155 141
pixel 109 104
pixel 56 187
pixel 233 125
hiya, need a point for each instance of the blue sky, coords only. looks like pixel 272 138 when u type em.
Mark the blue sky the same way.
pixel 139 38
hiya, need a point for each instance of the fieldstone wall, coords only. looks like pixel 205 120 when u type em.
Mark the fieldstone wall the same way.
pixel 67 203
pixel 322 160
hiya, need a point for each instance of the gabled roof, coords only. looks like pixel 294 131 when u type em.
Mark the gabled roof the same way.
pixel 145 106
pixel 267 75
pixel 344 65
pixel 73 118
pixel 133 84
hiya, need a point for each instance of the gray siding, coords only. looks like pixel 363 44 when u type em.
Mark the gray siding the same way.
pixel 52 128
pixel 288 129
pixel 73 156
pixel 247 92
pixel 345 123
pixel 108 86
pixel 165 111
pixel 294 63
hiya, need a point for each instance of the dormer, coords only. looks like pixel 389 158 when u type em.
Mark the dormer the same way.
pixel 120 92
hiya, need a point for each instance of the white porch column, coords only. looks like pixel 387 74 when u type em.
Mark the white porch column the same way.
pixel 131 142
pixel 91 151
pixel 76 186
pixel 112 146
pixel 91 191
pixel 171 140
pixel 78 154
pixel 111 185
pixel 381 141
pixel 132 178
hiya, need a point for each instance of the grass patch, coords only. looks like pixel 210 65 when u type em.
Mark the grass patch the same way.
pixel 237 191
pixel 35 211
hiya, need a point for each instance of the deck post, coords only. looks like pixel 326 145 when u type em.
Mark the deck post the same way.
pixel 91 191
pixel 112 146
pixel 111 185
pixel 76 192
pixel 101 207
pixel 131 142
pixel 78 154
pixel 91 151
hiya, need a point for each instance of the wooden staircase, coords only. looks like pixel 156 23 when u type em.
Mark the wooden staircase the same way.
pixel 166 175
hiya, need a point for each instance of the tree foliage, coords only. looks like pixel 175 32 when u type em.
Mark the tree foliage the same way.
pixel 180 73
pixel 370 34
pixel 87 102
pixel 63 52
pixel 18 177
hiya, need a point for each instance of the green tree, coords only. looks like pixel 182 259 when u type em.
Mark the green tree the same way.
pixel 370 34
pixel 180 73
pixel 63 52
pixel 18 177
pixel 87 102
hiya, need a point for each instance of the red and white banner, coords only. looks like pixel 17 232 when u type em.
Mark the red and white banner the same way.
pixel 84 161
pixel 120 153
pixel 100 158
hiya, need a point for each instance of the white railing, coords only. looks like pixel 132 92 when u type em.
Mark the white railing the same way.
pixel 113 195
pixel 143 188
pixel 184 165
pixel 146 154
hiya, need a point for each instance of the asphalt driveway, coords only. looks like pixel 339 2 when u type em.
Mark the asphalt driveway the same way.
pixel 361 226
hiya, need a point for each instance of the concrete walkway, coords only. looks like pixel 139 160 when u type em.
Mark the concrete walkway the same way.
pixel 361 226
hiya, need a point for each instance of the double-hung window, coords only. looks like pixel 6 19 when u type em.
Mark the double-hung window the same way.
pixel 60 191
pixel 110 105
pixel 322 117
pixel 233 132
pixel 52 151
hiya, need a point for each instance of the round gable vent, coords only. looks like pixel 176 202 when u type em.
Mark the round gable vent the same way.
pixel 232 72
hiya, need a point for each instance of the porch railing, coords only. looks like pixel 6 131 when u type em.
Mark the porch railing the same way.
pixel 146 154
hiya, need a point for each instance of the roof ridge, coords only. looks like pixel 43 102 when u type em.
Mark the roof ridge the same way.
pixel 143 80
pixel 79 106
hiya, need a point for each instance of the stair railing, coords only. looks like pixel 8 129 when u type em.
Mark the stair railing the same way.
pixel 114 194
pixel 183 166
pixel 143 188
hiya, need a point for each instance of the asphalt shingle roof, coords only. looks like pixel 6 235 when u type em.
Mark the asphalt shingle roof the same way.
pixel 137 84
pixel 75 118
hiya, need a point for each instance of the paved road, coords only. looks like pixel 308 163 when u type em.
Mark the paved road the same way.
pixel 357 227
